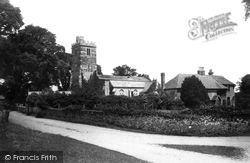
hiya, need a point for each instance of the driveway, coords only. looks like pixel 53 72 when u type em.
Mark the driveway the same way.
pixel 143 146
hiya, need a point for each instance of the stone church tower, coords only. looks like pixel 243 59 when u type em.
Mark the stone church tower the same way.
pixel 84 60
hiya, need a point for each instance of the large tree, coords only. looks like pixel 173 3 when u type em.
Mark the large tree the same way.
pixel 10 18
pixel 37 48
pixel 193 92
pixel 124 70
pixel 29 60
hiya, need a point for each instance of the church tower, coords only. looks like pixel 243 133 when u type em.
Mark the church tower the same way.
pixel 84 60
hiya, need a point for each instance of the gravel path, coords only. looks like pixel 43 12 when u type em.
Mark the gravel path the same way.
pixel 143 146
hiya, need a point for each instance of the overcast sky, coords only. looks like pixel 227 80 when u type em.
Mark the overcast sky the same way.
pixel 148 35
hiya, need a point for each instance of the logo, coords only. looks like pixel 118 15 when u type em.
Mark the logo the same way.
pixel 210 28
pixel 8 157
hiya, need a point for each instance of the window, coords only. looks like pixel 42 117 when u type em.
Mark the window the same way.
pixel 228 101
pixel 134 93
pixel 121 92
pixel 88 51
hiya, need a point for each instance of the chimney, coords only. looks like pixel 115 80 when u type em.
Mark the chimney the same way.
pixel 162 80
pixel 210 72
pixel 201 71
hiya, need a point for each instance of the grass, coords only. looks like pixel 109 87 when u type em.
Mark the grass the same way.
pixel 225 151
pixel 18 138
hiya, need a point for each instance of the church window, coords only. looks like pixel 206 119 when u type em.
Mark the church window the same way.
pixel 88 51
pixel 121 92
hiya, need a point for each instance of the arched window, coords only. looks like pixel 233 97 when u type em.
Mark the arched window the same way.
pixel 121 92
pixel 135 93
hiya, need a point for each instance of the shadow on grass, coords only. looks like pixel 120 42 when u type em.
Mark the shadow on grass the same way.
pixel 18 138
pixel 225 151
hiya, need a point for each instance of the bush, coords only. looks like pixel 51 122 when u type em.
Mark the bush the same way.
pixel 37 100
pixel 242 101
pixel 193 92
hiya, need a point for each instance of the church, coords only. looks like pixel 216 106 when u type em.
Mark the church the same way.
pixel 84 65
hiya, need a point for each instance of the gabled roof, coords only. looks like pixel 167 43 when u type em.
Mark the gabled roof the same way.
pixel 123 78
pixel 150 87
pixel 209 81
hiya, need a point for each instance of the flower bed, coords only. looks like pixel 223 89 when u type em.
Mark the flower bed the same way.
pixel 192 126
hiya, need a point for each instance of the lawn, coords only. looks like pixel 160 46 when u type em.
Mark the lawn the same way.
pixel 18 138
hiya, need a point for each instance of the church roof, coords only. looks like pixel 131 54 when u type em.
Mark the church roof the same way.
pixel 209 81
pixel 123 78
pixel 126 81
pixel 127 84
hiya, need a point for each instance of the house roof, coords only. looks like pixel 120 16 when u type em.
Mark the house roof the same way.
pixel 123 78
pixel 222 80
pixel 149 87
pixel 209 81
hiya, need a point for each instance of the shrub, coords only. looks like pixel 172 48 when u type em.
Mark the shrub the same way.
pixel 35 100
pixel 193 92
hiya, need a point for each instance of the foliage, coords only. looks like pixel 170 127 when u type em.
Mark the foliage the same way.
pixel 194 126
pixel 10 18
pixel 95 85
pixel 63 66
pixel 99 70
pixel 243 97
pixel 247 8
pixel 36 100
pixel 124 70
pixel 242 101
pixel 245 84
pixel 193 92
pixel 28 61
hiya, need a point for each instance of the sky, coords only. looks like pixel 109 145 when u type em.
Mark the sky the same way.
pixel 148 35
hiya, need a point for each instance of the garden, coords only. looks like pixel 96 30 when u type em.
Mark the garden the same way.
pixel 148 114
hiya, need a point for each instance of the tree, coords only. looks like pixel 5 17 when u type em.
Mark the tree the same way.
pixel 99 70
pixel 64 62
pixel 37 48
pixel 193 92
pixel 247 8
pixel 96 85
pixel 243 97
pixel 28 60
pixel 10 18
pixel 124 70
pixel 245 84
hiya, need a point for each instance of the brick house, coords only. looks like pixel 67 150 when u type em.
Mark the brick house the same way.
pixel 220 90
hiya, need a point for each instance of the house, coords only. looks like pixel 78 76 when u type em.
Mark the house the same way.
pixel 220 90
pixel 125 85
